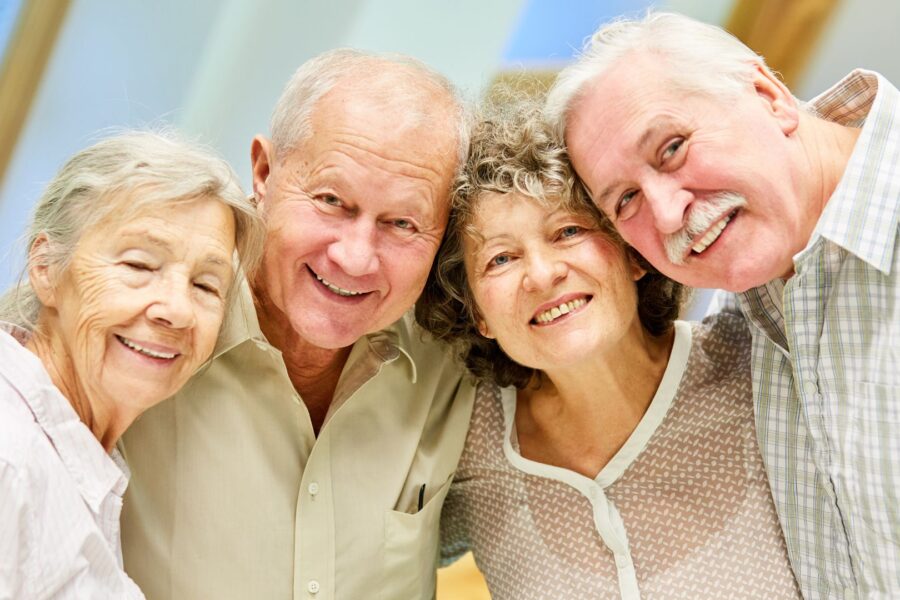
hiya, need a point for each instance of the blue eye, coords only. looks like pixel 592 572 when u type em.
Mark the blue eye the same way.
pixel 570 231
pixel 499 260
pixel 672 148
pixel 402 224
pixel 625 199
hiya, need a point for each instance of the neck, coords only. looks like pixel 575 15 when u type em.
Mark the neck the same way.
pixel 314 371
pixel 581 415
pixel 827 149
pixel 107 421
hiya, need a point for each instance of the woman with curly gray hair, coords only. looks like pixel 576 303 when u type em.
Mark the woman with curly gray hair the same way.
pixel 612 450
pixel 131 264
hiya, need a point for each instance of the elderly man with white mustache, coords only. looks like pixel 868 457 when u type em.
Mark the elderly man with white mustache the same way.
pixel 716 174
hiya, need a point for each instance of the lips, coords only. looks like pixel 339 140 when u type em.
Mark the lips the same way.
pixel 559 308
pixel 158 352
pixel 712 234
pixel 335 289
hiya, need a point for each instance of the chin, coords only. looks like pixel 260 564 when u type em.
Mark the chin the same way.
pixel 328 337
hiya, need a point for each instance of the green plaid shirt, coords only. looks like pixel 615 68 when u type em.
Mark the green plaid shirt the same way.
pixel 826 366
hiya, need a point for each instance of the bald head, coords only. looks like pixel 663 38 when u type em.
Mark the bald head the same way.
pixel 394 84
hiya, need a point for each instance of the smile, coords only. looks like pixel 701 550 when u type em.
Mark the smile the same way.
pixel 337 290
pixel 554 313
pixel 712 234
pixel 146 351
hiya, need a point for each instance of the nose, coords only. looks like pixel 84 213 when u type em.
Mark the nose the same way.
pixel 173 306
pixel 668 203
pixel 544 270
pixel 355 250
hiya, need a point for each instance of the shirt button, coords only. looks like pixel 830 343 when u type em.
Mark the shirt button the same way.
pixel 810 387
pixel 313 586
pixel 313 490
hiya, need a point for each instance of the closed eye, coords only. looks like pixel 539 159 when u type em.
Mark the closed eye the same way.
pixel 137 266
pixel 207 288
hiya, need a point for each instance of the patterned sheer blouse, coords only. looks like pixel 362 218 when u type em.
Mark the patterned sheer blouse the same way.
pixel 683 510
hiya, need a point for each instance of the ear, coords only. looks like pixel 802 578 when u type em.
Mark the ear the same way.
pixel 778 100
pixel 40 275
pixel 634 265
pixel 261 156
pixel 483 329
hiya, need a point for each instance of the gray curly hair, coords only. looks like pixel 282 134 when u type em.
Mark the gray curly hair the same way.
pixel 128 172
pixel 514 151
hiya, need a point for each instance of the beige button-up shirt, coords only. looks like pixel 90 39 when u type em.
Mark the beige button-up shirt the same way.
pixel 233 496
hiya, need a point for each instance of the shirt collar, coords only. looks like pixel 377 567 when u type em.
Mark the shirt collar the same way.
pixel 862 214
pixel 242 324
pixel 95 473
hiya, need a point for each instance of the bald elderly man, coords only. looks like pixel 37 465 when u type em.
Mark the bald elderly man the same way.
pixel 311 457
pixel 713 171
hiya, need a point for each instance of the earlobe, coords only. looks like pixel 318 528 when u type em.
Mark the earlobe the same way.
pixel 779 101
pixel 634 266
pixel 261 156
pixel 40 274
pixel 483 329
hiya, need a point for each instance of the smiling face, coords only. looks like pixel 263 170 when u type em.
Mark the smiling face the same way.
pixel 551 288
pixel 139 306
pixel 704 188
pixel 354 217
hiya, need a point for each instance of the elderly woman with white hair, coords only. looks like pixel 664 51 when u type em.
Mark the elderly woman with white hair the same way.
pixel 130 269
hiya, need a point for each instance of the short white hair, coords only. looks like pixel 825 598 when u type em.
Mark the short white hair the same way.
pixel 123 175
pixel 291 121
pixel 700 58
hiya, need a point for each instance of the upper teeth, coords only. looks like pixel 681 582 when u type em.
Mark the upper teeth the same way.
pixel 146 351
pixel 337 290
pixel 711 235
pixel 558 311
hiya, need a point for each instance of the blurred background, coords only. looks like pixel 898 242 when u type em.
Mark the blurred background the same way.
pixel 70 69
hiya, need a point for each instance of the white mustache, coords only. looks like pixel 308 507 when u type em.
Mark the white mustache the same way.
pixel 702 215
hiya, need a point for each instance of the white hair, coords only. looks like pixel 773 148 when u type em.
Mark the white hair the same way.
pixel 123 175
pixel 291 121
pixel 700 58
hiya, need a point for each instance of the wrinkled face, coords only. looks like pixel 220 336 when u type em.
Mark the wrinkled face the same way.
pixel 551 289
pixel 703 187
pixel 139 308
pixel 354 218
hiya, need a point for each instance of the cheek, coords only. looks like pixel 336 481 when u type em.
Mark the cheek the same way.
pixel 91 299
pixel 406 264
pixel 493 303
pixel 641 234
pixel 207 331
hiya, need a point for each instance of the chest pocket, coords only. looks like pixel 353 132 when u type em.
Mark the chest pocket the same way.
pixel 411 550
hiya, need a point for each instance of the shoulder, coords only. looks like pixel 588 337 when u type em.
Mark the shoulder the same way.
pixel 19 432
pixel 484 441
pixel 430 357
pixel 722 342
